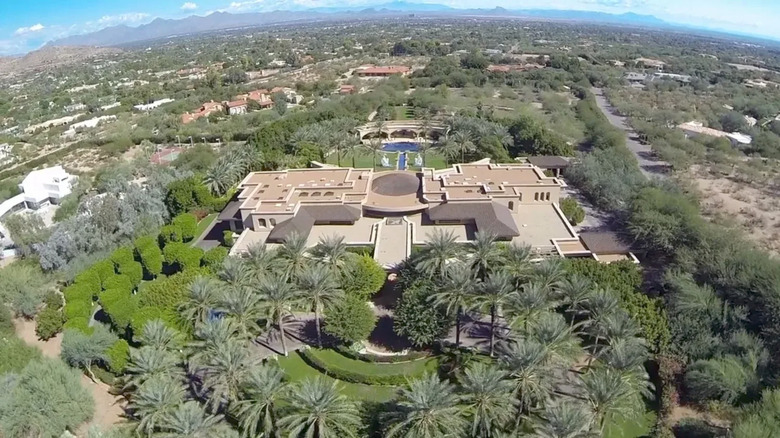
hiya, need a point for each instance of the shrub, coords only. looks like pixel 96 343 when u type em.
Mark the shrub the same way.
pixel 118 355
pixel 572 210
pixel 352 354
pixel 169 234
pixel 187 194
pixel 168 292
pixel 121 310
pixel 122 256
pixel 227 238
pixel 78 323
pixel 79 292
pixel 144 243
pixel 152 260
pixel 187 225
pixel 173 252
pixel 363 278
pixel 213 258
pixel 76 309
pixel 146 314
pixel 89 279
pixel 104 269
pixel 118 281
pixel 49 322
pixel 16 355
pixel 53 300
pixel 350 321
pixel 133 270
pixel 416 319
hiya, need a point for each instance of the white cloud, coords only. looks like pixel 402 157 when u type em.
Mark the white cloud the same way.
pixel 25 30
pixel 130 17
pixel 189 6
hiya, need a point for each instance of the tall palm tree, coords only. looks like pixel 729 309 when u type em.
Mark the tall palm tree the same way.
pixel 441 249
pixel 261 261
pixel 235 272
pixel 550 273
pixel 454 294
pixel 599 306
pixel 517 262
pixel 154 400
pixel 526 363
pixel 628 356
pixel 565 419
pixel 157 335
pixel 422 148
pixel 463 141
pixel 562 344
pixel 375 145
pixel 608 395
pixel 278 297
pixel 220 176
pixel 294 254
pixel 190 420
pixel 318 410
pixel 449 149
pixel 202 300
pixel 573 291
pixel 320 290
pixel 483 253
pixel 210 337
pixel 353 148
pixel 528 304
pixel 257 409
pixel 488 398
pixel 242 306
pixel 428 408
pixel 492 295
pixel 226 371
pixel 333 251
pixel 146 363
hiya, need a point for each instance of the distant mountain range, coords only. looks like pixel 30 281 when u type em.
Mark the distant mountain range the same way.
pixel 164 28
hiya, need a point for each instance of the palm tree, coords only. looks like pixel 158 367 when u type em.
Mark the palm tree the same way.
pixel 599 306
pixel 256 411
pixel 318 410
pixel 488 399
pixel 484 253
pixel 242 306
pixel 565 419
pixel 293 253
pixel 210 336
pixel 428 408
pixel 375 145
pixel 146 363
pixel 449 149
pixel 526 363
pixel 463 141
pixel 517 262
pixel 220 176
pixel 453 295
pixel 154 400
pixel 202 300
pixel 225 372
pixel 492 296
pixel 550 273
pixel 235 272
pixel 278 296
pixel 527 305
pixel 261 261
pixel 157 335
pixel 562 344
pixel 319 288
pixel 353 148
pixel 333 251
pixel 608 394
pixel 442 247
pixel 573 291
pixel 189 420
pixel 422 148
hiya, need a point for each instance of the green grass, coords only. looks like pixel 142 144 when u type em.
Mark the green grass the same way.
pixel 415 368
pixel 296 370
pixel 622 428
pixel 403 113
pixel 203 224
pixel 432 159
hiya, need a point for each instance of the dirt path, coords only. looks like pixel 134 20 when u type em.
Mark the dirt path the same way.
pixel 108 408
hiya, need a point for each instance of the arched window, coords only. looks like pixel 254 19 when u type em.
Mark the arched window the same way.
pixel 536 196
pixel 512 205
pixel 328 193
pixel 273 222
pixel 547 198
pixel 304 194
pixel 261 222
pixel 316 194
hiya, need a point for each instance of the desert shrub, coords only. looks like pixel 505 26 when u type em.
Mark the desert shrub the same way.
pixel 53 300
pixel 572 210
pixel 16 354
pixel 49 322
pixel 363 277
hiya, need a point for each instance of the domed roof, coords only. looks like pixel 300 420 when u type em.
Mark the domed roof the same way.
pixel 395 184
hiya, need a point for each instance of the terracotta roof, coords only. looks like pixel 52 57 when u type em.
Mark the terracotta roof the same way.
pixel 236 103
pixel 487 216
pixel 604 242
pixel 549 162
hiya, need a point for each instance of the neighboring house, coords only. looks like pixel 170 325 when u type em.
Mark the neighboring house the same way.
pixel 236 107
pixel 261 96
pixel 51 123
pixel 153 105
pixel 86 124
pixel 382 72
pixel 290 95
pixel 205 110
pixel 694 129
pixel 347 89
pixel 75 107
pixel 46 186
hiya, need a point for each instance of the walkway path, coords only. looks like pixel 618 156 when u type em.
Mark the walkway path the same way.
pixel 109 409
pixel 649 164
pixel 392 242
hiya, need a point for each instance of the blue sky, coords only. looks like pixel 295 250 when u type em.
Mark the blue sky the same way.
pixel 27 24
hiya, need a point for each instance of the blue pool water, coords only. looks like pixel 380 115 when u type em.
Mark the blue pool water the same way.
pixel 401 146
pixel 402 161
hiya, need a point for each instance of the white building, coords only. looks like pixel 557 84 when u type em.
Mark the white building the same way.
pixel 694 129
pixel 46 186
pixel 153 105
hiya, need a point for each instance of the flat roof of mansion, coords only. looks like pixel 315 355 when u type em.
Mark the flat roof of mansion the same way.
pixel 282 192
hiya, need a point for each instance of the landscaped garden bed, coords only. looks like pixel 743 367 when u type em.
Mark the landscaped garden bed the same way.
pixel 343 368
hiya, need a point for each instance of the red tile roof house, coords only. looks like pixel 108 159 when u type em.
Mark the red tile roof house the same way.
pixel 204 111
pixel 384 71
pixel 237 107
pixel 261 96
pixel 347 89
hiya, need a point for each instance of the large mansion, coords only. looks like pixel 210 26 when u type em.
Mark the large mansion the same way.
pixel 395 210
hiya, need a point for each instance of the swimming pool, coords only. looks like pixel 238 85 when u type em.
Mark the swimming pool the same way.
pixel 401 146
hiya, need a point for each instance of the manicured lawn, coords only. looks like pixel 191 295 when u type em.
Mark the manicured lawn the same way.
pixel 411 369
pixel 203 224
pixel 364 160
pixel 622 428
pixel 403 113
pixel 297 370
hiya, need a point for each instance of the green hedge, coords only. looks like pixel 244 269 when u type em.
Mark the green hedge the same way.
pixel 412 355
pixel 122 282
pixel 79 323
pixel 80 292
pixel 133 270
pixel 78 309
pixel 118 355
pixel 89 279
pixel 314 358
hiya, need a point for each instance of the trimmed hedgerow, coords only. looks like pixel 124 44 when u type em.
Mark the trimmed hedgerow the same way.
pixel 353 371
pixel 122 282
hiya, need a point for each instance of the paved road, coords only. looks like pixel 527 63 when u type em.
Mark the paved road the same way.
pixel 649 164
